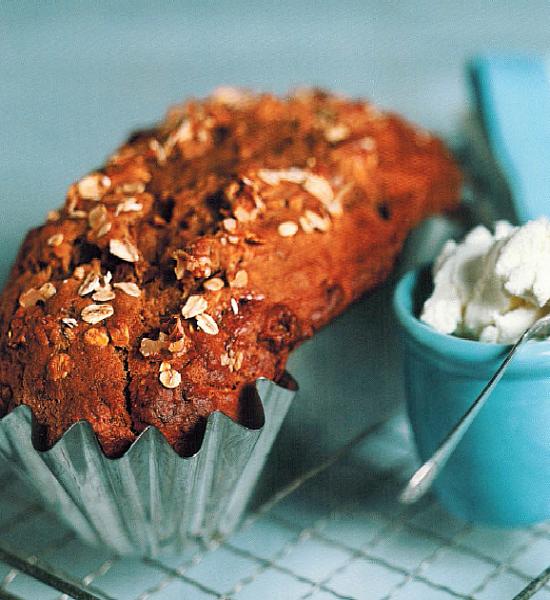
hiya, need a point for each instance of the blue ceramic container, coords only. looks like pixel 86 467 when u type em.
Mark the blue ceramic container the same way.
pixel 500 472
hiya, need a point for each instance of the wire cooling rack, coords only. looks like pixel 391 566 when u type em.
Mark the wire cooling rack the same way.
pixel 337 532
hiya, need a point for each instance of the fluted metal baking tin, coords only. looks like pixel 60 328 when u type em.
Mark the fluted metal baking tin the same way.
pixel 150 500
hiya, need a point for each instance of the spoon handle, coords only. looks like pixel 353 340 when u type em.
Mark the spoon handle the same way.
pixel 424 476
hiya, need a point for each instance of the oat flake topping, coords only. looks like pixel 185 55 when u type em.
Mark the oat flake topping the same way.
pixel 93 187
pixel 320 188
pixel 244 216
pixel 103 295
pixel 315 221
pixel 69 322
pixel 104 229
pixel 128 287
pixel 137 187
pixel 240 280
pixel 55 240
pixel 230 224
pixel 129 205
pixel 170 378
pixel 287 229
pixel 124 250
pixel 97 217
pixel 77 214
pixel 207 324
pixel 95 313
pixel 337 133
pixel 90 284
pixel 275 176
pixel 232 359
pixel 193 307
pixel 214 285
pixel 164 366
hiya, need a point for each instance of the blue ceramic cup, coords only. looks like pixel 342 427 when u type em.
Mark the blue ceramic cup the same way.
pixel 500 472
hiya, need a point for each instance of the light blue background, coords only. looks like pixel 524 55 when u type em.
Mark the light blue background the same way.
pixel 76 77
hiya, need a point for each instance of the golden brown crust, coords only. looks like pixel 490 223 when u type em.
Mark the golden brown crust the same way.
pixel 260 218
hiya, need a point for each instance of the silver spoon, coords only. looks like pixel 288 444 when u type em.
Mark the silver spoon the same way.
pixel 424 476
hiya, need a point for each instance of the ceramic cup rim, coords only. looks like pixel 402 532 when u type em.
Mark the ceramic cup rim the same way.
pixel 465 353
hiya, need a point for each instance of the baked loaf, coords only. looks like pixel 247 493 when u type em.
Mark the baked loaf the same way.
pixel 202 252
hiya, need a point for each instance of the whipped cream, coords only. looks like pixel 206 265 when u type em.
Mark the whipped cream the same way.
pixel 491 287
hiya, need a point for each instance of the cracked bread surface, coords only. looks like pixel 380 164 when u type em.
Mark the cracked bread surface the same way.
pixel 202 253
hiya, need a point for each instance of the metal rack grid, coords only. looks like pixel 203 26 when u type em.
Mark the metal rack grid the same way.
pixel 337 532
